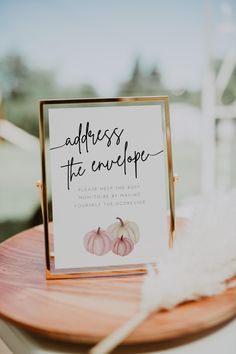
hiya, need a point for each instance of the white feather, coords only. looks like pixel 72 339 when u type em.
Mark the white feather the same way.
pixel 203 258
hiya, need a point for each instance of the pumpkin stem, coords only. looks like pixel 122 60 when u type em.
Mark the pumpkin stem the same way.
pixel 121 221
pixel 122 238
pixel 98 230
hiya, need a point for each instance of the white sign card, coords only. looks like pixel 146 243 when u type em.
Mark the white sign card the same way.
pixel 109 185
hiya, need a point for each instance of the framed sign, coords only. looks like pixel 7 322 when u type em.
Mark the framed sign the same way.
pixel 107 165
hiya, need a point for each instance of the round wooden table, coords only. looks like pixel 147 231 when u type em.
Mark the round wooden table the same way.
pixel 87 310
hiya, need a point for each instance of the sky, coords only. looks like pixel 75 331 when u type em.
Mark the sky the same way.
pixel 97 41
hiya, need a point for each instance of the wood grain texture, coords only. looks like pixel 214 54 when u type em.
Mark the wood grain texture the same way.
pixel 87 310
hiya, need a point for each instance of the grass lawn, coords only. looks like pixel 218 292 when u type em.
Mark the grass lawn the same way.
pixel 187 165
pixel 19 199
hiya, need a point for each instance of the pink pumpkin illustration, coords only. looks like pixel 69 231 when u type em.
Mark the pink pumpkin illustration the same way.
pixel 122 246
pixel 97 242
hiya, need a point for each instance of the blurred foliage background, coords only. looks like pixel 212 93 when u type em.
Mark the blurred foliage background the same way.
pixel 23 84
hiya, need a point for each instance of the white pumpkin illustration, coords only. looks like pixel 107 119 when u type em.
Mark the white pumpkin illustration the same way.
pixel 124 228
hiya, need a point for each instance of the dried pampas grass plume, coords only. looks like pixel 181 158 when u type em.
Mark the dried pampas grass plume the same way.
pixel 203 259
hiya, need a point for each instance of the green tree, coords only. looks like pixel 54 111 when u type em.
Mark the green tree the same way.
pixel 22 87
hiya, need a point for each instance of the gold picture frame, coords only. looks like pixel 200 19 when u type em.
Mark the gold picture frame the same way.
pixel 51 272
